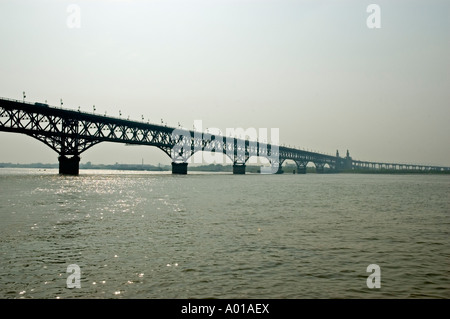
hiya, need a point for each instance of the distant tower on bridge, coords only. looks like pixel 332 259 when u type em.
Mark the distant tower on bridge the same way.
pixel 348 161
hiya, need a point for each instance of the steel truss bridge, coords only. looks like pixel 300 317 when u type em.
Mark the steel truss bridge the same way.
pixel 70 133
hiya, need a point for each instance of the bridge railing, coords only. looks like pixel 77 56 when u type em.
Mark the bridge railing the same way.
pixel 87 113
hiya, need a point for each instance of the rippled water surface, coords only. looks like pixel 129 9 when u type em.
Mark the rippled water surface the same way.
pixel 147 235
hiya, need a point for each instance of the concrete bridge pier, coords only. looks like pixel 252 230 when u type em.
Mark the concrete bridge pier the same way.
pixel 69 166
pixel 179 168
pixel 239 169
pixel 280 170
pixel 301 167
pixel 320 168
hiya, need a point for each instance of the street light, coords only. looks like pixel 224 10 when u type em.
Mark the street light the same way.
pixel 24 96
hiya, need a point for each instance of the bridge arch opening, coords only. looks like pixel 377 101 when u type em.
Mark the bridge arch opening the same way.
pixel 321 167
pixel 126 155
pixel 289 166
pixel 210 160
pixel 15 145
pixel 259 164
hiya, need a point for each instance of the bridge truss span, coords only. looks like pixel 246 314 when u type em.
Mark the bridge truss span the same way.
pixel 70 133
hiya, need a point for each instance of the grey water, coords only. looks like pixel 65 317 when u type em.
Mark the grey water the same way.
pixel 156 235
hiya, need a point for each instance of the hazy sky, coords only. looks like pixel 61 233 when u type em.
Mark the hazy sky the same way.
pixel 311 68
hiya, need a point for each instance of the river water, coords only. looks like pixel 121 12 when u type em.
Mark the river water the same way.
pixel 156 235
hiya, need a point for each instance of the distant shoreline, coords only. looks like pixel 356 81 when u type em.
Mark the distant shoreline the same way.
pixel 288 169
